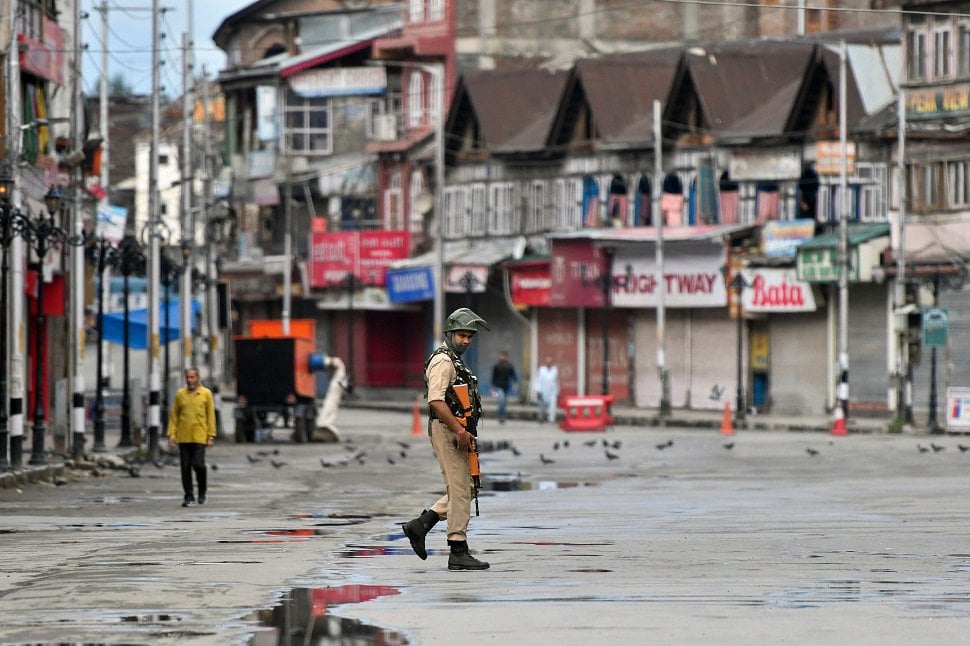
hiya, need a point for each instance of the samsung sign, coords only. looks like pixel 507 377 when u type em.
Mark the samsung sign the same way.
pixel 409 285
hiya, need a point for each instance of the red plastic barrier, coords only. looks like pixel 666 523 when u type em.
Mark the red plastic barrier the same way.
pixel 587 413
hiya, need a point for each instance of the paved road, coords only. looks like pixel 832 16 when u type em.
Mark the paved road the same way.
pixel 862 543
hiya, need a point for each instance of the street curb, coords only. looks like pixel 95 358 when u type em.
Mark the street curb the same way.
pixel 30 475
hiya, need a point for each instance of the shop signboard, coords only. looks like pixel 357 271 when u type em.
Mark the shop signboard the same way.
pixel 958 409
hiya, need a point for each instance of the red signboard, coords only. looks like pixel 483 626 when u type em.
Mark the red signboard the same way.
pixel 365 254
pixel 576 270
pixel 44 58
pixel 530 284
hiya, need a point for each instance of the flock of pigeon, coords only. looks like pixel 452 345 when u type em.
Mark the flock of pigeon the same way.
pixel 353 454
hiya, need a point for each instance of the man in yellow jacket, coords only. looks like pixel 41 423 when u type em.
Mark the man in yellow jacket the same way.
pixel 192 426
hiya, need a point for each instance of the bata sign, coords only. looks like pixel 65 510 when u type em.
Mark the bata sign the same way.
pixel 690 280
pixel 776 290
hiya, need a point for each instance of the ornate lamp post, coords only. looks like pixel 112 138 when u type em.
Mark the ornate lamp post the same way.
pixel 42 234
pixel 105 255
pixel 739 283
pixel 170 272
pixel 131 260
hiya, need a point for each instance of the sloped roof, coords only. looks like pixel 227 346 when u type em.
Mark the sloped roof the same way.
pixel 735 80
pixel 514 107
pixel 621 90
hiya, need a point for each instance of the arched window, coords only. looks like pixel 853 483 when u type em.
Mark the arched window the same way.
pixel 415 100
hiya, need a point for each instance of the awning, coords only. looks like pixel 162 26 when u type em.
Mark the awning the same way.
pixel 113 325
pixel 817 260
pixel 638 235
pixel 471 253
pixel 467 263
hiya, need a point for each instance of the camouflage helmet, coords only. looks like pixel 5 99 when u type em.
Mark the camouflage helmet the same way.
pixel 464 319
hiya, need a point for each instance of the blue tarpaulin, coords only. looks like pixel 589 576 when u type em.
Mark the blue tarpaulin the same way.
pixel 113 327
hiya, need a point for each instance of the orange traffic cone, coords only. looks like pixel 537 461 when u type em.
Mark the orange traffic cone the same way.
pixel 727 427
pixel 838 425
pixel 416 419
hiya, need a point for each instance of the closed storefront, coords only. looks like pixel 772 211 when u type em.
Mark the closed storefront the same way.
pixel 701 358
pixel 797 380
pixel 869 338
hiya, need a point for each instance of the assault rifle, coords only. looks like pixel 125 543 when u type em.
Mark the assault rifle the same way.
pixel 471 425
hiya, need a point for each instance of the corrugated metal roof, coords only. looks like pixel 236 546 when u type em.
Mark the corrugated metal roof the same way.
pixel 858 233
pixel 733 80
pixel 514 107
pixel 621 90
pixel 874 79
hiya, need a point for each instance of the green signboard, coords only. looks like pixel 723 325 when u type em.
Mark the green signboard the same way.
pixel 936 327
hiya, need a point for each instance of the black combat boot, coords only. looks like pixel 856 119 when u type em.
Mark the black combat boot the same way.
pixel 460 559
pixel 417 529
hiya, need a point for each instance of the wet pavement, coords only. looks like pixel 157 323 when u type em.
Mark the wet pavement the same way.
pixel 799 538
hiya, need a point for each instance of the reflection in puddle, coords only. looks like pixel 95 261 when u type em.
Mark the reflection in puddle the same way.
pixel 302 618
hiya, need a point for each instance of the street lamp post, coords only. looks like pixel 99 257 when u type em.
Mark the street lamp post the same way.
pixel 43 233
pixel 131 260
pixel 170 272
pixel 105 256
pixel 738 283
pixel 607 303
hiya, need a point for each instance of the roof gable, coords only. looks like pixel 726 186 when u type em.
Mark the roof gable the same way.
pixel 733 80
pixel 621 90
pixel 512 109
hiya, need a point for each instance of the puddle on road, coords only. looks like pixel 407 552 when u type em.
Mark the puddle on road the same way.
pixel 332 520
pixel 302 617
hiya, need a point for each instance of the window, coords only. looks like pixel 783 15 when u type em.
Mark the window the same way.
pixel 537 205
pixel 567 204
pixel 415 216
pixel 916 53
pixel 436 10
pixel 417 11
pixel 479 210
pixel 942 66
pixel 958 184
pixel 963 50
pixel 415 100
pixel 457 220
pixel 925 186
pixel 162 160
pixel 434 100
pixel 308 126
pixel 501 201
pixel 393 209
pixel 872 199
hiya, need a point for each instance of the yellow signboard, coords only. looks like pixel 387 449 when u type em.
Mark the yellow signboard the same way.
pixel 828 157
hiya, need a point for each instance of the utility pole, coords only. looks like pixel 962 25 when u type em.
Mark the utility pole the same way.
pixel 286 195
pixel 662 372
pixel 904 392
pixel 842 389
pixel 188 231
pixel 76 299
pixel 212 293
pixel 154 264
pixel 14 368
pixel 105 178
